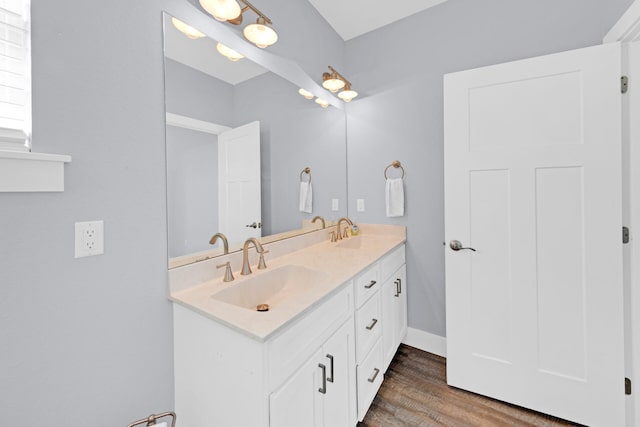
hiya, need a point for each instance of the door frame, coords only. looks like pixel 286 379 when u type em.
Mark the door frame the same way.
pixel 627 31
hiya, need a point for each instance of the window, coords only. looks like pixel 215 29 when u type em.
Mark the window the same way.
pixel 20 169
pixel 15 75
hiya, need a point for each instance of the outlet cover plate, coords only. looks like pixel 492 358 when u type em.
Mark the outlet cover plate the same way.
pixel 89 238
pixel 360 205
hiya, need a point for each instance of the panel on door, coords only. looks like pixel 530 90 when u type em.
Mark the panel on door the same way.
pixel 533 188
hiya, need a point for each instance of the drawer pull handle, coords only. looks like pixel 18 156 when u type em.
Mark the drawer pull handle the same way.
pixel 323 389
pixel 372 324
pixel 370 285
pixel 330 378
pixel 376 371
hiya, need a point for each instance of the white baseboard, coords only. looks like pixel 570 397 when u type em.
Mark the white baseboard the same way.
pixel 426 342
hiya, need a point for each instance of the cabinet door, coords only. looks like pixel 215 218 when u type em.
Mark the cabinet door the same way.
pixel 339 357
pixel 394 313
pixel 298 402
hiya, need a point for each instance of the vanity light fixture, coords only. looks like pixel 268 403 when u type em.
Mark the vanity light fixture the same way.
pixel 188 30
pixel 321 102
pixel 229 53
pixel 305 93
pixel 260 33
pixel 335 81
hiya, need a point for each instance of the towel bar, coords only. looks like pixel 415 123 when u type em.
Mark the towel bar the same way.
pixel 151 419
pixel 396 164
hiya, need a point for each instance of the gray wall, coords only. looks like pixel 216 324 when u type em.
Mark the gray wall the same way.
pixel 398 70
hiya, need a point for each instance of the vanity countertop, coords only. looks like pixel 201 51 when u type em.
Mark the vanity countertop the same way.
pixel 340 264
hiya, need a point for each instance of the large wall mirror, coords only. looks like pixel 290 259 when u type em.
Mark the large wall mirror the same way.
pixel 238 138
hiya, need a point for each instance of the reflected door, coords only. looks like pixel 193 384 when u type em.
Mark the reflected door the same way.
pixel 533 185
pixel 239 182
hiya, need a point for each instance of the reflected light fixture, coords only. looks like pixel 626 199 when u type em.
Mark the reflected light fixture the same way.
pixel 188 30
pixel 229 53
pixel 222 10
pixel 260 33
pixel 334 81
pixel 321 102
pixel 305 93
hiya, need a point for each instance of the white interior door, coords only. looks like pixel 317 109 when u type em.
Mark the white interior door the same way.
pixel 239 182
pixel 533 184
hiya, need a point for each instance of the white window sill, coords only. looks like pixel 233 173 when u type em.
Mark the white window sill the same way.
pixel 31 172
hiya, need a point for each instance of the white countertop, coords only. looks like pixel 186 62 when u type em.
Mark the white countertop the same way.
pixel 340 264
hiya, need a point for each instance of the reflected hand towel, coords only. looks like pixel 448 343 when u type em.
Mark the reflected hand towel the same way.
pixel 394 197
pixel 306 197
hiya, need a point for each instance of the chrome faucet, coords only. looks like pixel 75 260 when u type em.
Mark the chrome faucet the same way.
pixel 225 242
pixel 246 268
pixel 321 219
pixel 348 221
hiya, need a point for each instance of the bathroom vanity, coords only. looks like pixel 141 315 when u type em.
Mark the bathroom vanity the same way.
pixel 317 358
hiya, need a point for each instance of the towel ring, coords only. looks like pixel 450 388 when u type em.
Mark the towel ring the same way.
pixel 396 164
pixel 306 170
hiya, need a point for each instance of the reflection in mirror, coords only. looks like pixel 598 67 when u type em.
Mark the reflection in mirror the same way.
pixel 238 137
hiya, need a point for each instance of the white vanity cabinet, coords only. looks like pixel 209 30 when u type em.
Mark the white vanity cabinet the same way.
pixel 226 378
pixel 321 368
pixel 321 392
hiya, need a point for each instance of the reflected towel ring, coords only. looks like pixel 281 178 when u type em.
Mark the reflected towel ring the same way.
pixel 306 170
pixel 396 164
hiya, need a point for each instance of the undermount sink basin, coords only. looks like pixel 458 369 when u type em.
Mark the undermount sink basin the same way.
pixel 271 287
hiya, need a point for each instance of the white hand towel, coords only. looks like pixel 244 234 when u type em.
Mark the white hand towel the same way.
pixel 394 196
pixel 306 197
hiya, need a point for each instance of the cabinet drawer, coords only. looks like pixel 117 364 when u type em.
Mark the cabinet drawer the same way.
pixel 367 284
pixel 289 350
pixel 368 326
pixel 369 378
pixel 392 262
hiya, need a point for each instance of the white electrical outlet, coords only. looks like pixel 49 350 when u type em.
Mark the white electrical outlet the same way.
pixel 335 203
pixel 89 238
pixel 360 205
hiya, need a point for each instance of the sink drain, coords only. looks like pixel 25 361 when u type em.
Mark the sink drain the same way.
pixel 262 307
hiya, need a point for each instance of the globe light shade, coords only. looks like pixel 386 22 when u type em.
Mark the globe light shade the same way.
pixel 187 30
pixel 332 82
pixel 222 10
pixel 229 53
pixel 347 95
pixel 305 93
pixel 260 34
pixel 322 102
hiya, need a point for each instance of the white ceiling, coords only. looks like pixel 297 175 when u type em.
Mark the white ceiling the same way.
pixel 353 18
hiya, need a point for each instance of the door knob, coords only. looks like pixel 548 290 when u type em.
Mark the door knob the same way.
pixel 456 246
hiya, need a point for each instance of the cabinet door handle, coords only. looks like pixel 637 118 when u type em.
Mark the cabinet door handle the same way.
pixel 372 324
pixel 399 286
pixel 397 291
pixel 370 285
pixel 323 389
pixel 330 378
pixel 376 371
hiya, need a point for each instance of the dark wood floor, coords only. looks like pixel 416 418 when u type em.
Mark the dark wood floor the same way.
pixel 415 393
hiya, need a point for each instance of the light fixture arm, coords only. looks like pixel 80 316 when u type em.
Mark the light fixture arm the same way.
pixel 333 71
pixel 255 10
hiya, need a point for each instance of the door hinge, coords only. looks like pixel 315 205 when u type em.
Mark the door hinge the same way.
pixel 624 84
pixel 625 234
pixel 627 386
